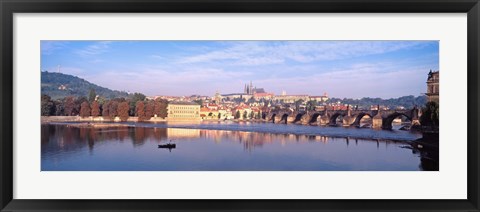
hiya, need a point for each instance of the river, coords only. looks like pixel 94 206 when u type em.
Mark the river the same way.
pixel 226 146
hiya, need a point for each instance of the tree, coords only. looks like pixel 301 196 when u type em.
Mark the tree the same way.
pixel 430 114
pixel 105 109
pixel 69 105
pixel 135 98
pixel 149 110
pixel 311 104
pixel 122 110
pixel 95 109
pixel 138 97
pixel 47 106
pixel 140 110
pixel 112 109
pixel 59 108
pixel 161 108
pixel 237 115
pixel 298 103
pixel 198 101
pixel 101 100
pixel 78 104
pixel 245 113
pixel 85 109
pixel 259 115
pixel 92 95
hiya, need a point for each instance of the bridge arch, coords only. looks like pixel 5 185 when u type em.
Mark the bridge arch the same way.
pixel 298 117
pixel 387 121
pixel 314 118
pixel 284 118
pixel 358 119
pixel 333 118
pixel 264 115
pixel 273 118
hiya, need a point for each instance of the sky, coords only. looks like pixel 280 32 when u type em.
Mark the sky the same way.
pixel 342 69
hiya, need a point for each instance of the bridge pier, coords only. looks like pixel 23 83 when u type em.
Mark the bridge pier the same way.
pixel 416 122
pixel 304 120
pixel 290 119
pixel 348 120
pixel 324 120
pixel 377 121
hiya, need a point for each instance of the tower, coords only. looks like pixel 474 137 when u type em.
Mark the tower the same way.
pixel 250 90
pixel 433 88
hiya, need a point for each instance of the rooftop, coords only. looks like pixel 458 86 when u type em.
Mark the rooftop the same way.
pixel 183 103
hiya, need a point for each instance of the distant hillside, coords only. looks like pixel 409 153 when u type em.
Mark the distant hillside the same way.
pixel 58 85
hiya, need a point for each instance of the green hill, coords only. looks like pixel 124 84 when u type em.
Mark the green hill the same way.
pixel 58 85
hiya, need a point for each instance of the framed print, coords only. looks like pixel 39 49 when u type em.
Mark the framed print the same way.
pixel 256 106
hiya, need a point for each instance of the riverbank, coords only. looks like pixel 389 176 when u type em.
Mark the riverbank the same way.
pixel 49 119
pixel 97 125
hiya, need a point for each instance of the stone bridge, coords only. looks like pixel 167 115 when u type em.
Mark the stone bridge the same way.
pixel 380 118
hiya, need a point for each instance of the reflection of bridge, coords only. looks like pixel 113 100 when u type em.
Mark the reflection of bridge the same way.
pixel 380 118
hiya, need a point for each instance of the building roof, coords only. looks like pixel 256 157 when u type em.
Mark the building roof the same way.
pixel 259 90
pixel 263 94
pixel 183 103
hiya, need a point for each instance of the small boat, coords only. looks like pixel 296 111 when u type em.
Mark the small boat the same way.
pixel 167 146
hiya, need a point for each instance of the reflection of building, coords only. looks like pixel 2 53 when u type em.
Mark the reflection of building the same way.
pixel 183 111
pixel 182 133
pixel 433 89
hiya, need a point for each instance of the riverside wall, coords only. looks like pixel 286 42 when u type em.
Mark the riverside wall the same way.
pixel 46 119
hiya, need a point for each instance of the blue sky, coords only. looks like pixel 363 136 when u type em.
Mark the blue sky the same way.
pixel 351 69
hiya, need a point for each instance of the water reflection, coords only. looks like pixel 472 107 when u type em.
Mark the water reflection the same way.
pixel 199 149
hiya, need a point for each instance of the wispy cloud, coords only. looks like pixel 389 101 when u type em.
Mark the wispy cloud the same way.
pixel 341 68
pixel 158 57
pixel 49 47
pixel 158 81
pixel 355 81
pixel 94 49
pixel 265 53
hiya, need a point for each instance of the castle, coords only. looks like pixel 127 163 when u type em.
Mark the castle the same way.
pixel 250 90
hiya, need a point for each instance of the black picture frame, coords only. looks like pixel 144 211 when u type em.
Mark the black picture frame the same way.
pixel 10 7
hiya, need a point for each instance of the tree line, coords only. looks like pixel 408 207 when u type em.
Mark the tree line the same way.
pixel 123 108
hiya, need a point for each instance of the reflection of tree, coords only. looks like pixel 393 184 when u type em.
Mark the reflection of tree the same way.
pixel 159 134
pixel 139 136
pixel 61 137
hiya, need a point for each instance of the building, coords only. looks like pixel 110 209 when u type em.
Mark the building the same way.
pixel 244 111
pixel 267 96
pixel 291 98
pixel 209 113
pixel 249 89
pixel 433 86
pixel 183 111
pixel 233 96
pixel 323 98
